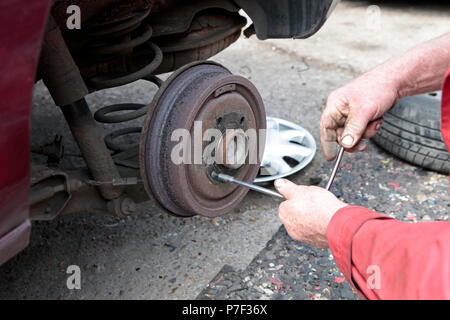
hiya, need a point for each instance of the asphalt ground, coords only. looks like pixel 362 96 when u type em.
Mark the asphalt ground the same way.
pixel 288 270
pixel 245 254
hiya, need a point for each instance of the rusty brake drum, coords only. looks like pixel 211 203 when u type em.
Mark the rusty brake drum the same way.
pixel 196 98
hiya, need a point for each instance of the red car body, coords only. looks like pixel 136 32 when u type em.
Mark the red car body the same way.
pixel 22 25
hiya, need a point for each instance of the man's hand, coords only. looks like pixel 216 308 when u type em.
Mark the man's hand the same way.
pixel 355 112
pixel 307 212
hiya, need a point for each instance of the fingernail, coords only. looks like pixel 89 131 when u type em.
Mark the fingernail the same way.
pixel 378 126
pixel 279 183
pixel 347 141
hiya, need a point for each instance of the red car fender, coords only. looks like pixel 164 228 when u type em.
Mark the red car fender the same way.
pixel 22 25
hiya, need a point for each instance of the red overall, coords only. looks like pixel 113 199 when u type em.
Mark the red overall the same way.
pixel 384 258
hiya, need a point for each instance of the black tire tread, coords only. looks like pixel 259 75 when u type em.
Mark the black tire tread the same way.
pixel 411 131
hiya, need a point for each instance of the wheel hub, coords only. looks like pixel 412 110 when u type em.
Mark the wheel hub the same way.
pixel 233 148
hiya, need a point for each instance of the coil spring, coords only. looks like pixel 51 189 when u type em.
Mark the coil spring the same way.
pixel 104 115
pixel 120 38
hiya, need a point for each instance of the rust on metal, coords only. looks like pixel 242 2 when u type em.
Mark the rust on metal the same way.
pixel 123 41
pixel 108 52
pixel 187 97
pixel 50 192
pixel 58 69
pixel 56 192
pixel 209 33
pixel 177 19
pixel 206 28
pixel 88 136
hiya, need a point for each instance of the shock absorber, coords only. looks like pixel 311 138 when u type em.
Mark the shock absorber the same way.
pixel 63 79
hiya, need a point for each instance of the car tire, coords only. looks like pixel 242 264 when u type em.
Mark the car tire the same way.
pixel 411 131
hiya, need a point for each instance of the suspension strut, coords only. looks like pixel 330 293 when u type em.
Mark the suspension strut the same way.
pixel 89 139
pixel 62 77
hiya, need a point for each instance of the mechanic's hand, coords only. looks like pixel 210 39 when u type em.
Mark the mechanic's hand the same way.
pixel 307 212
pixel 355 112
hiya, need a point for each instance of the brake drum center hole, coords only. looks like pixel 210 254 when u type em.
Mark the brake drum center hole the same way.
pixel 233 148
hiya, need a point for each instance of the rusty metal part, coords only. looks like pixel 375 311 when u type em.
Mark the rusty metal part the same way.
pixel 118 147
pixel 123 46
pixel 112 47
pixel 50 192
pixel 206 28
pixel 88 199
pixel 233 148
pixel 177 59
pixel 134 191
pixel 62 77
pixel 103 114
pixel 107 38
pixel 116 36
pixel 128 158
pixel 168 16
pixel 58 69
pixel 122 206
pixel 209 93
pixel 108 81
pixel 109 114
pixel 178 19
pixel 208 34
pixel 119 38
pixel 55 192
pixel 118 17
pixel 90 141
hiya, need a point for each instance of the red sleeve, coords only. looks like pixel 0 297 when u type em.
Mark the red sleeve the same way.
pixel 445 110
pixel 384 258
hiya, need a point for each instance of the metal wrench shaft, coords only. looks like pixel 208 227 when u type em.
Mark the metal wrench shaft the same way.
pixel 335 169
pixel 226 178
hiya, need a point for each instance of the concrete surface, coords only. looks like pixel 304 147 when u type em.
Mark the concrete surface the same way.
pixel 156 256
